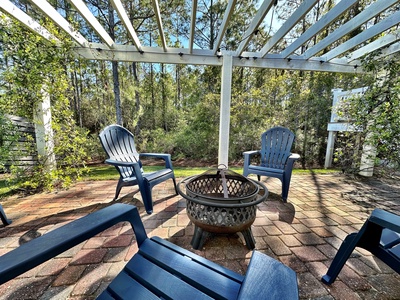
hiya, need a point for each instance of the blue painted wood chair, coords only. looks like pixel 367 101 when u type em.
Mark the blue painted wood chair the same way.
pixel 380 235
pixel 160 269
pixel 119 144
pixel 275 158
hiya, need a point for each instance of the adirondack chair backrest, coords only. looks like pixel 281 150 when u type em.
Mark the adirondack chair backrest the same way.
pixel 276 144
pixel 119 144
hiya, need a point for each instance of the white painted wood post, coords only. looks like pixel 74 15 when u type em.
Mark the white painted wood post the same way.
pixel 225 107
pixel 44 132
pixel 367 158
pixel 329 149
pixel 331 132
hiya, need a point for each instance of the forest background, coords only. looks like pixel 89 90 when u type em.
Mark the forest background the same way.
pixel 175 108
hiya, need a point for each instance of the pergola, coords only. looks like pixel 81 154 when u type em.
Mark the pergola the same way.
pixel 377 27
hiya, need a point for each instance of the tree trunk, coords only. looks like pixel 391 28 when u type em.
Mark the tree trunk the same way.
pixel 137 96
pixel 163 99
pixel 117 93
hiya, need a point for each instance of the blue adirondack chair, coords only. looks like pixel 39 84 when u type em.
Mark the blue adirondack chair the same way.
pixel 380 235
pixel 119 144
pixel 159 269
pixel 276 160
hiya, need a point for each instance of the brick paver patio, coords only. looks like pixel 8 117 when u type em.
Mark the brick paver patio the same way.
pixel 303 233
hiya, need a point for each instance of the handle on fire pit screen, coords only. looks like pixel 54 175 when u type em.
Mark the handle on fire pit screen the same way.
pixel 221 171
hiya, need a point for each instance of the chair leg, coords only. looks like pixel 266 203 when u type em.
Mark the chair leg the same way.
pixel 145 191
pixel 285 191
pixel 249 239
pixel 176 190
pixel 118 189
pixel 3 217
pixel 341 257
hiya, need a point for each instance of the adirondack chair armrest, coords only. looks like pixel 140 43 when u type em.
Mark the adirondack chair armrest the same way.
pixel 385 219
pixel 49 245
pixel 164 156
pixel 119 163
pixel 268 278
pixel 291 159
pixel 248 155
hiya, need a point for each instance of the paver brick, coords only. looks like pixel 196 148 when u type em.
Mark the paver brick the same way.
pixel 308 253
pixel 277 245
pixel 86 256
pixel 309 238
pixel 69 276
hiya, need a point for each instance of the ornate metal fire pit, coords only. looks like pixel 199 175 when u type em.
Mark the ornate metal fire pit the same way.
pixel 222 201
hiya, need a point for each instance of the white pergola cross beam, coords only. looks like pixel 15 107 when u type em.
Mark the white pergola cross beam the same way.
pixel 370 12
pixel 85 12
pixel 364 36
pixel 298 14
pixel 54 15
pixel 324 22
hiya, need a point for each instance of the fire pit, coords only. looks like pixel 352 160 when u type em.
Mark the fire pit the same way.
pixel 222 201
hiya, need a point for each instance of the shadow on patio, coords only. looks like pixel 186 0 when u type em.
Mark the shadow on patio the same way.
pixel 303 233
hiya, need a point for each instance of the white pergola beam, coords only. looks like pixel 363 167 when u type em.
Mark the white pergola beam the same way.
pixel 392 49
pixel 9 8
pixel 159 23
pixel 367 14
pixel 207 57
pixel 385 24
pixel 192 25
pixel 299 13
pixel 90 18
pixel 321 24
pixel 375 45
pixel 54 15
pixel 261 13
pixel 227 16
pixel 127 23
pixel 315 64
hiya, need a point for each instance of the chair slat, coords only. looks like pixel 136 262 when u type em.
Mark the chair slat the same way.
pixel 200 276
pixel 160 282
pixel 125 286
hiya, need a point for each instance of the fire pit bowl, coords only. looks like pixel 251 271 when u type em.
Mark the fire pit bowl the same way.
pixel 221 201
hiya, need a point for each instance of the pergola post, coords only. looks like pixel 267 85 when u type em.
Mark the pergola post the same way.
pixel 329 149
pixel 44 132
pixel 368 156
pixel 225 106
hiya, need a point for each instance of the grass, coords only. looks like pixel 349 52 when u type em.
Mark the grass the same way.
pixel 109 172
pixel 6 188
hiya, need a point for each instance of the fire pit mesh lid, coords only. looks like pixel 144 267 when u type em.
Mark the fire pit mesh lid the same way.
pixel 222 183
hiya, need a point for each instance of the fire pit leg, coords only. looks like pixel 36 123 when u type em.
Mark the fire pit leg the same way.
pixel 199 237
pixel 249 239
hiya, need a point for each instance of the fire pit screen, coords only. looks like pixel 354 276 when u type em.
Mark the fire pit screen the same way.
pixel 222 201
